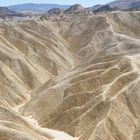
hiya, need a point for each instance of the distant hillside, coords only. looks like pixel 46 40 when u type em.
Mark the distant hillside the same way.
pixel 135 4
pixel 123 4
pixel 94 7
pixel 105 8
pixel 36 7
pixel 5 12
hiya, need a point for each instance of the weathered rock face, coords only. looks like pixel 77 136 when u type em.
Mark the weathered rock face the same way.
pixel 79 75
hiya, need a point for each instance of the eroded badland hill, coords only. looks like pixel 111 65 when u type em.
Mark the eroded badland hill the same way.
pixel 77 73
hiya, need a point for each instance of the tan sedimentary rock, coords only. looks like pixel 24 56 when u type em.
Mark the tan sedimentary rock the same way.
pixel 77 74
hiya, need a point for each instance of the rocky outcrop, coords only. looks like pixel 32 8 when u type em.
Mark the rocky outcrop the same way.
pixel 77 8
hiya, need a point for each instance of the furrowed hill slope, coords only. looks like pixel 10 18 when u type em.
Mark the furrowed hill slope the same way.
pixel 77 74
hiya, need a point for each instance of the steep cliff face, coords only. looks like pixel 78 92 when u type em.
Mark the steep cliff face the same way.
pixel 78 74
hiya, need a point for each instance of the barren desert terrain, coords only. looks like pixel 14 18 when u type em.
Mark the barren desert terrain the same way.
pixel 71 77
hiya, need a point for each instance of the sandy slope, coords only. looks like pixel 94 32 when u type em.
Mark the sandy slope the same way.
pixel 75 77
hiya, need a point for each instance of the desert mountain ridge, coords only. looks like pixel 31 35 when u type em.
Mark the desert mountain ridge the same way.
pixel 37 8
